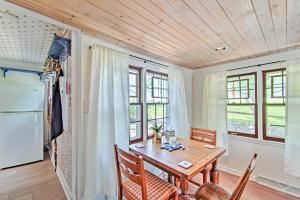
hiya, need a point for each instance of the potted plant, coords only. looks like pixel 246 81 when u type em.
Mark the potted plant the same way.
pixel 156 131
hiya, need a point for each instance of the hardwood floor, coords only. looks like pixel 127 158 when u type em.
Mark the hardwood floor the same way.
pixel 253 191
pixel 36 181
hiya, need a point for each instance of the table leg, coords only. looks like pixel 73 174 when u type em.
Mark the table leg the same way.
pixel 206 174
pixel 184 186
pixel 176 181
pixel 214 173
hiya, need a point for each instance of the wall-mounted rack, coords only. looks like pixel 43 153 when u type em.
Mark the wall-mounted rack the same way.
pixel 6 69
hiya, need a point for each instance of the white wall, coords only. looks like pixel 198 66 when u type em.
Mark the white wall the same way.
pixel 271 154
pixel 20 65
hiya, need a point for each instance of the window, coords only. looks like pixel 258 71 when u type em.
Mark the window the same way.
pixel 151 99
pixel 274 95
pixel 242 105
pixel 136 106
pixel 157 100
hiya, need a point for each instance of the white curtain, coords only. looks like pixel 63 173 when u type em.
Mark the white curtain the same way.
pixel 178 107
pixel 214 106
pixel 292 139
pixel 106 123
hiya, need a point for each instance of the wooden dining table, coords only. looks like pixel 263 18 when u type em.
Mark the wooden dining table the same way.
pixel 194 152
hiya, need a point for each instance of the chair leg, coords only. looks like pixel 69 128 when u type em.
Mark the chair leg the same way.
pixel 176 181
pixel 169 178
pixel 176 197
pixel 119 196
pixel 173 180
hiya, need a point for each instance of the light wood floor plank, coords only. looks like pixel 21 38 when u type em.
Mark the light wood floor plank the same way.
pixel 36 181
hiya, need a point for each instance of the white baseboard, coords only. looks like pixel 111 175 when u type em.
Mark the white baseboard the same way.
pixel 64 184
pixel 256 179
pixel 62 180
pixel 236 172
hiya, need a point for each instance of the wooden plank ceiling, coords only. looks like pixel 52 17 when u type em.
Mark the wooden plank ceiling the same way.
pixel 184 32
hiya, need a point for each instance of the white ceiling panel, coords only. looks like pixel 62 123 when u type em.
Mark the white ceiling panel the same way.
pixel 24 38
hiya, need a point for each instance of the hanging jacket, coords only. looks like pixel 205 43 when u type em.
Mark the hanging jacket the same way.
pixel 56 117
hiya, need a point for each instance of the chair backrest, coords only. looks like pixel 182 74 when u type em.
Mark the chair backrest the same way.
pixel 132 167
pixel 237 193
pixel 204 135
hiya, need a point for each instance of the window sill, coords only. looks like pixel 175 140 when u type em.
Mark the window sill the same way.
pixel 256 141
pixel 133 141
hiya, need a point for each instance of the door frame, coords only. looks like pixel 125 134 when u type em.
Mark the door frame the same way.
pixel 75 93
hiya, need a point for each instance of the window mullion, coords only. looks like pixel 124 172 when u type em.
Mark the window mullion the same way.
pixel 145 106
pixel 260 102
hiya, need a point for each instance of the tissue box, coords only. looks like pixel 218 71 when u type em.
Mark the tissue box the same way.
pixel 167 135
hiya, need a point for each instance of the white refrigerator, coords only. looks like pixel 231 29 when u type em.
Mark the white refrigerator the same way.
pixel 21 123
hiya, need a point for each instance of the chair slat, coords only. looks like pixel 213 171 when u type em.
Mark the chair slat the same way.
pixel 128 156
pixel 133 177
pixel 128 164
pixel 203 130
pixel 203 135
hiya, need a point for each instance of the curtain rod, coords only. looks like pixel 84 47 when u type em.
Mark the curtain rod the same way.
pixel 258 65
pixel 150 61
pixel 145 60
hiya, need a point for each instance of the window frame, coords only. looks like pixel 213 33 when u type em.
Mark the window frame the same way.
pixel 264 107
pixel 151 103
pixel 139 103
pixel 136 79
pixel 255 135
pixel 240 89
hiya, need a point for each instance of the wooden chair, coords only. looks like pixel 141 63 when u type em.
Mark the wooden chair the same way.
pixel 208 137
pixel 140 184
pixel 204 135
pixel 210 191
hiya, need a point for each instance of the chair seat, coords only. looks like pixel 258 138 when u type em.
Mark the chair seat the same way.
pixel 210 191
pixel 157 189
